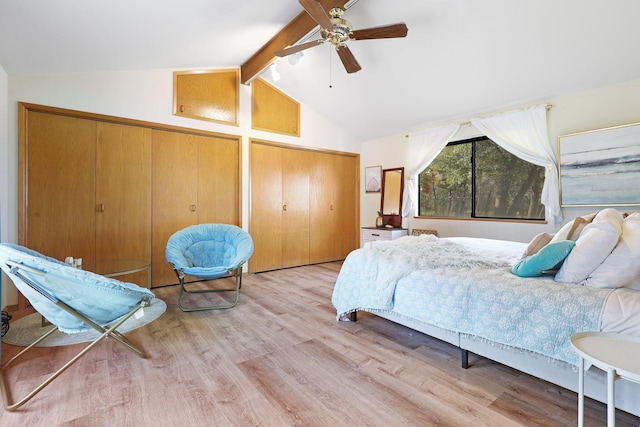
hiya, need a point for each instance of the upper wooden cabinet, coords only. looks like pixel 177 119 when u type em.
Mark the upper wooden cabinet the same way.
pixel 207 95
pixel 272 110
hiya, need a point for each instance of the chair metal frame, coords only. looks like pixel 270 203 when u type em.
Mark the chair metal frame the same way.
pixel 106 332
pixel 233 272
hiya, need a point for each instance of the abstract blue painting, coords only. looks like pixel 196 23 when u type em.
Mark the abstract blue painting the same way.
pixel 601 167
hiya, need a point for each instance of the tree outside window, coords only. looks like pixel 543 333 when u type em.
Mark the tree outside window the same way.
pixel 476 178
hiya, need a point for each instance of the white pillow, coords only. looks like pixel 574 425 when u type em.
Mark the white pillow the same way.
pixel 622 267
pixel 594 245
pixel 572 229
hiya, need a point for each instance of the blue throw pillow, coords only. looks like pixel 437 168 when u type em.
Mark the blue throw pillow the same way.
pixel 548 258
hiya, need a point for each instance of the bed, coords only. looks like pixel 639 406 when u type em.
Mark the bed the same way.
pixel 512 302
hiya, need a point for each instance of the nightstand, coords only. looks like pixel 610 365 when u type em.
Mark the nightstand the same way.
pixel 369 234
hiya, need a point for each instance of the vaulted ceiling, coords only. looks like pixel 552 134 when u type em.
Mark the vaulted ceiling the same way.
pixel 461 58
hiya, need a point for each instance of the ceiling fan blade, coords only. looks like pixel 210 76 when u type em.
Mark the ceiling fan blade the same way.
pixel 348 60
pixel 298 48
pixel 383 32
pixel 315 10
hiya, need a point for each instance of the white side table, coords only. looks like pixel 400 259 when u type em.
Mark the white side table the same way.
pixel 369 234
pixel 616 354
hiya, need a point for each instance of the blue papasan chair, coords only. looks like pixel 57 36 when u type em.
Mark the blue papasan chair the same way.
pixel 208 252
pixel 73 301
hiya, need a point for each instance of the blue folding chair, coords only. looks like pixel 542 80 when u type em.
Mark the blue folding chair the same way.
pixel 208 252
pixel 72 300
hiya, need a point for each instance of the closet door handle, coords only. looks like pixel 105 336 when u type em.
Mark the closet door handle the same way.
pixel 284 207
pixel 192 208
pixel 100 207
pixel 331 208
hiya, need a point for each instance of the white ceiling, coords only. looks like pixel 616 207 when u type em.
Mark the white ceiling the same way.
pixel 461 58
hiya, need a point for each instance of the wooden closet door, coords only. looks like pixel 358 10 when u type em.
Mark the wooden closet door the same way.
pixel 346 213
pixel 304 206
pixel 295 207
pixel 266 207
pixel 218 180
pixel 123 192
pixel 196 179
pixel 322 221
pixel 174 195
pixel 333 212
pixel 59 186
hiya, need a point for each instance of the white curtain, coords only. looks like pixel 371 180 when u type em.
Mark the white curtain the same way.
pixel 424 147
pixel 524 134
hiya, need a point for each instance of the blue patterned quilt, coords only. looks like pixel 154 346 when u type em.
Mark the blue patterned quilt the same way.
pixel 465 285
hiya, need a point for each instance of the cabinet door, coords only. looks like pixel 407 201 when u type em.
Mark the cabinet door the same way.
pixel 123 192
pixel 333 212
pixel 347 204
pixel 295 207
pixel 218 180
pixel 196 179
pixel 266 207
pixel 212 95
pixel 60 185
pixel 174 195
pixel 322 210
pixel 273 110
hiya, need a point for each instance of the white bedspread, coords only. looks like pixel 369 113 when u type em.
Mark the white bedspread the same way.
pixel 465 285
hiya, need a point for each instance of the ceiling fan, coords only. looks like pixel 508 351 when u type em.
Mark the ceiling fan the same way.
pixel 337 31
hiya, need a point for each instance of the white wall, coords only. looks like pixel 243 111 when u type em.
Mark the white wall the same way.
pixel 140 95
pixel 4 173
pixel 605 107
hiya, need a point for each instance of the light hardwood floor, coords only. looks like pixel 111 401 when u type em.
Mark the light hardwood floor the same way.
pixel 281 359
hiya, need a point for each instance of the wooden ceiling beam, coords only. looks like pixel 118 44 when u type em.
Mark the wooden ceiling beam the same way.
pixel 300 26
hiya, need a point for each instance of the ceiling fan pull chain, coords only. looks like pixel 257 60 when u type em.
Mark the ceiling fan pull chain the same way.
pixel 330 68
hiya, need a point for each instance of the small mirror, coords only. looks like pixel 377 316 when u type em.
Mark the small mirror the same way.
pixel 391 199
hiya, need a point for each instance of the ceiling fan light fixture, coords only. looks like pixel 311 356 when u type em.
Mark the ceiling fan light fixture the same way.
pixel 275 75
pixel 294 58
pixel 341 28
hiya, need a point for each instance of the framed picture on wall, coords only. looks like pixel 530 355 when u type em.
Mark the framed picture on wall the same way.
pixel 373 179
pixel 600 167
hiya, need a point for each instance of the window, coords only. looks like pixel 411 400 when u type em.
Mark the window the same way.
pixel 476 178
